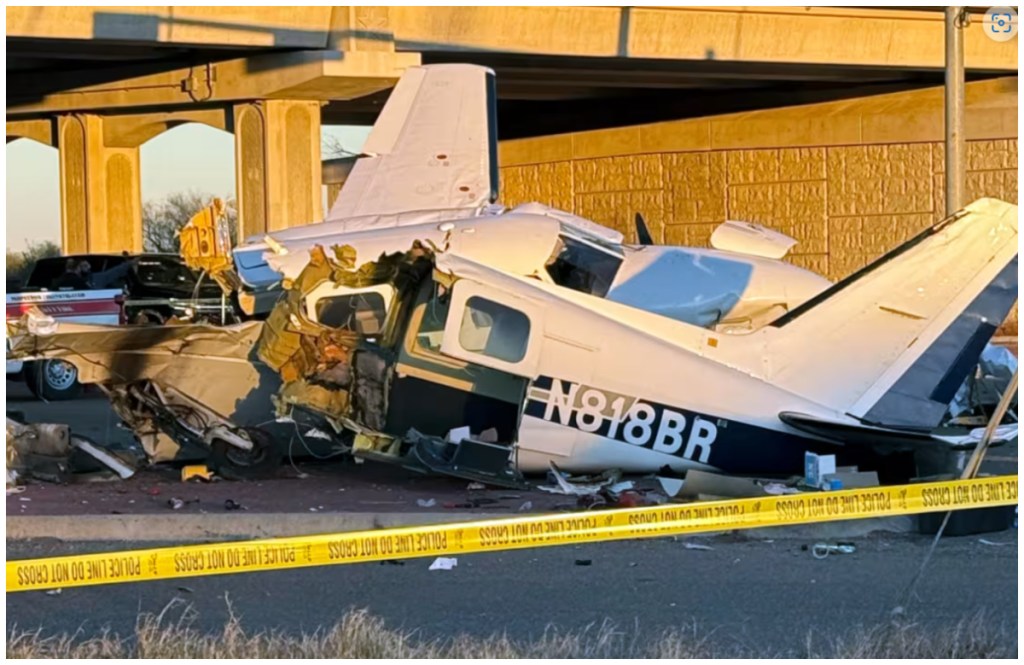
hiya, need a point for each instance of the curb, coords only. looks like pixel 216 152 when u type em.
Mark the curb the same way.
pixel 141 528
pixel 150 528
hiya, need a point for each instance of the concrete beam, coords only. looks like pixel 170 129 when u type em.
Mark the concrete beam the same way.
pixel 903 117
pixel 800 35
pixel 38 130
pixel 314 75
pixel 822 35
pixel 277 27
pixel 132 130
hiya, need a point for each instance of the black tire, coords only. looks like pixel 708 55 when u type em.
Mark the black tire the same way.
pixel 52 380
pixel 262 461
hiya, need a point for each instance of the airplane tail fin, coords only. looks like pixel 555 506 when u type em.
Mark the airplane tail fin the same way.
pixel 434 147
pixel 891 344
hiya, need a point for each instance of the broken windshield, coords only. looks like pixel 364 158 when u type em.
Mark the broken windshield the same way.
pixel 581 266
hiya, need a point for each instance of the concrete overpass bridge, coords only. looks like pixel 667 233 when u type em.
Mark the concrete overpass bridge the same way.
pixel 98 82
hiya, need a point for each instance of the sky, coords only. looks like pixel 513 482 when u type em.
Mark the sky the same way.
pixel 189 157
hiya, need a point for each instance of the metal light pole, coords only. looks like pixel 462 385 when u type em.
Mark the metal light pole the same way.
pixel 955 144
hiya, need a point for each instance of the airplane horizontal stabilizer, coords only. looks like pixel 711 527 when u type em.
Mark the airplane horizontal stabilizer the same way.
pixel 434 147
pixel 890 344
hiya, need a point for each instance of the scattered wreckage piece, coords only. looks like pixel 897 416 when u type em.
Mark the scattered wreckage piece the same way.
pixel 978 395
pixel 188 392
pixel 50 452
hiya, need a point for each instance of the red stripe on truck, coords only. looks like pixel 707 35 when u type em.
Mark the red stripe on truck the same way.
pixel 66 309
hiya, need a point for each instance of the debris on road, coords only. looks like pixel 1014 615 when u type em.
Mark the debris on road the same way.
pixel 174 503
pixel 231 504
pixel 583 562
pixel 704 484
pixel 444 563
pixel 823 550
pixel 986 541
pixel 568 486
pixel 426 503
pixel 817 468
pixel 196 471
pixel 52 453
pixel 670 486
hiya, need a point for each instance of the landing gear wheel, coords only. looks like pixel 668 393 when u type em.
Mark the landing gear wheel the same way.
pixel 235 463
pixel 53 380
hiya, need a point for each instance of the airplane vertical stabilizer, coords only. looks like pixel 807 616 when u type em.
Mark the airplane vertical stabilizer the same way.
pixel 434 147
pixel 891 344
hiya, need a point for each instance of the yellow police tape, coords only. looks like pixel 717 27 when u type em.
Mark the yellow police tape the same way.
pixel 505 534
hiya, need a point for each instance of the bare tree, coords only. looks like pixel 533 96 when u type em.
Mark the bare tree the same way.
pixel 19 264
pixel 332 148
pixel 164 218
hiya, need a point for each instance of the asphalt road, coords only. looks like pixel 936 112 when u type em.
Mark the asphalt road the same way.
pixel 763 595
pixel 89 415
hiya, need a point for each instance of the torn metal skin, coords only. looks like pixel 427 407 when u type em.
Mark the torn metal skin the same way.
pixel 238 395
pixel 335 372
pixel 161 374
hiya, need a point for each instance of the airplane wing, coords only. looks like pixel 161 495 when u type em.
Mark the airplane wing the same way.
pixel 434 147
pixel 889 439
pixel 855 433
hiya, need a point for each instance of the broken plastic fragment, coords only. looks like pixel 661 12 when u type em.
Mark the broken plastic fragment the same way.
pixel 563 486
pixel 444 563
pixel 671 486
pixel 1003 433
pixel 40 323
pixel 618 488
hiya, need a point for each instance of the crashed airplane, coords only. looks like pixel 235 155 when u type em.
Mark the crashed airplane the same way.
pixel 424 325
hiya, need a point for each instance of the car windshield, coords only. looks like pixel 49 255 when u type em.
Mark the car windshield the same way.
pixel 581 266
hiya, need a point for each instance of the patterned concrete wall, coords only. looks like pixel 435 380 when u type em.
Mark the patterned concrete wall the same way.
pixel 845 204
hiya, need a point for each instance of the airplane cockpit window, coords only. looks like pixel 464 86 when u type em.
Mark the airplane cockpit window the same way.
pixel 582 267
pixel 363 313
pixel 494 330
pixel 431 328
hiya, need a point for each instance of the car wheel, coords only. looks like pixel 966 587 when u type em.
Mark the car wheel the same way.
pixel 235 463
pixel 53 380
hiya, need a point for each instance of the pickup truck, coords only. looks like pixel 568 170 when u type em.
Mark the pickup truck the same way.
pixel 56 379
pixel 157 287
pixel 153 289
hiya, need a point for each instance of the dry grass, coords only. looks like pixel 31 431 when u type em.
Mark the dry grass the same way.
pixel 361 635
pixel 976 637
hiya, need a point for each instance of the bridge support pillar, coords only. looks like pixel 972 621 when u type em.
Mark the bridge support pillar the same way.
pixel 100 193
pixel 277 165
